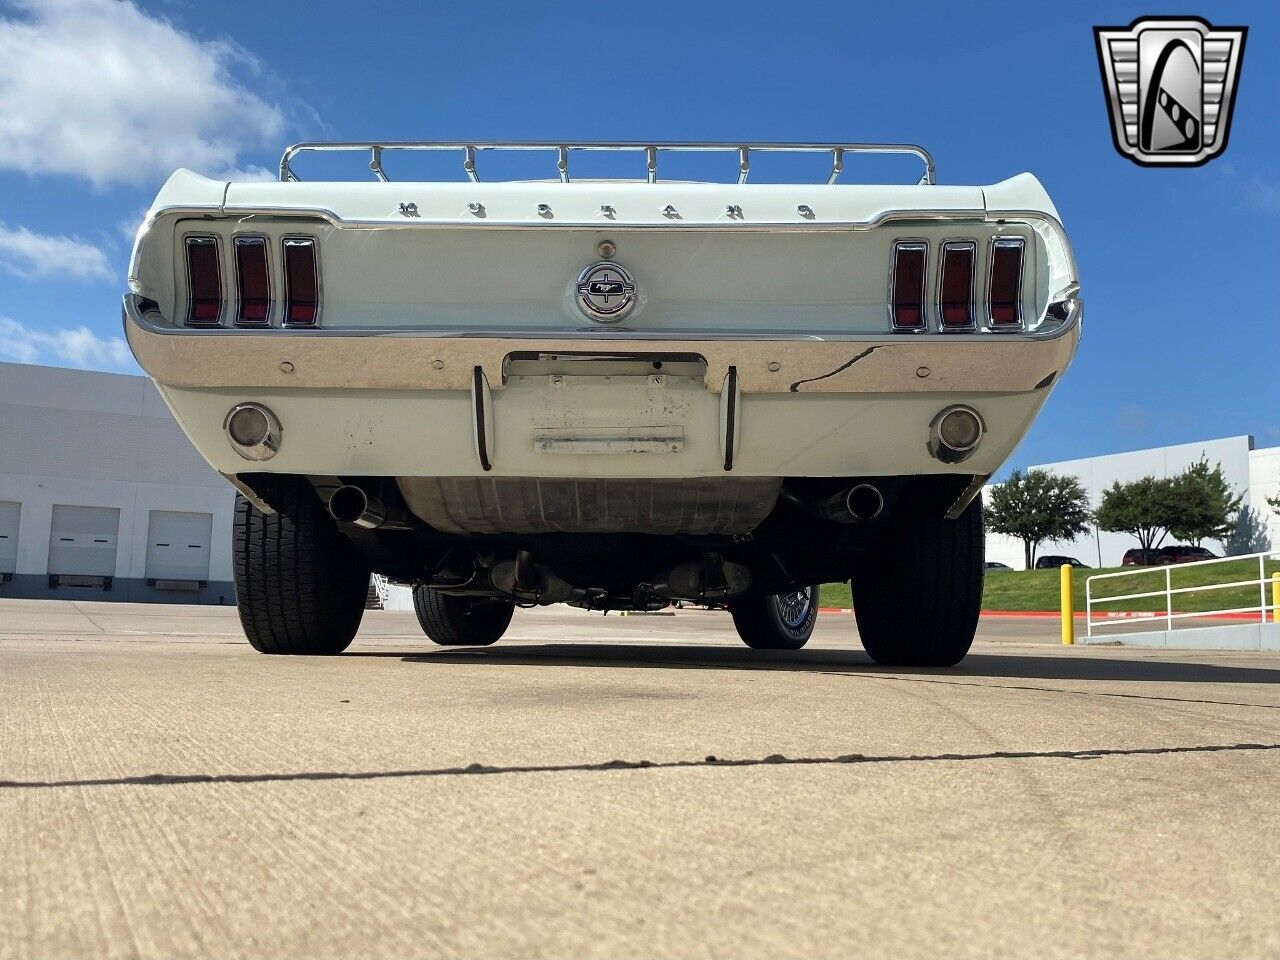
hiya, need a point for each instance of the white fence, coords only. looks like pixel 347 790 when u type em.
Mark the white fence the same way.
pixel 1262 582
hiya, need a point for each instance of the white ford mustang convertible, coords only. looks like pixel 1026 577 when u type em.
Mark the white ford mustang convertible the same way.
pixel 616 394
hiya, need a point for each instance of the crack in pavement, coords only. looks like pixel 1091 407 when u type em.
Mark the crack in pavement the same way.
pixel 775 759
pixel 1064 690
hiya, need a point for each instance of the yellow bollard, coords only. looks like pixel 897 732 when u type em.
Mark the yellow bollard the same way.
pixel 1068 614
pixel 1275 598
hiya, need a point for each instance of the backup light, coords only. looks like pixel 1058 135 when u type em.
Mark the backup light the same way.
pixel 955 433
pixel 254 431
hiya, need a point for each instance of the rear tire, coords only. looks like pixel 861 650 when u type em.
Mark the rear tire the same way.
pixel 300 584
pixel 461 621
pixel 776 621
pixel 918 596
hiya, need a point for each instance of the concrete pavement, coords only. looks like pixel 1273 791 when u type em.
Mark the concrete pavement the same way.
pixel 625 786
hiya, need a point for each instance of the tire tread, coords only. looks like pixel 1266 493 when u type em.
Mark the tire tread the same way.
pixel 300 584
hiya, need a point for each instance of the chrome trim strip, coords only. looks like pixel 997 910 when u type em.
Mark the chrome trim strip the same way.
pixel 730 415
pixel 650 150
pixel 480 401
pixel 131 314
pixel 967 496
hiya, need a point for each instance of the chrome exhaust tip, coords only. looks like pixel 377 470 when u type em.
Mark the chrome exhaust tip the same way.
pixel 351 504
pixel 864 502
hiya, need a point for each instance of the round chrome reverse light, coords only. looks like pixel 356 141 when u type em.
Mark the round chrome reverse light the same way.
pixel 605 292
pixel 254 431
pixel 960 429
pixel 955 433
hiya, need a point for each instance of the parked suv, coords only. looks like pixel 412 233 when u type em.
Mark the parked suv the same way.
pixel 1185 554
pixel 1053 561
pixel 1137 557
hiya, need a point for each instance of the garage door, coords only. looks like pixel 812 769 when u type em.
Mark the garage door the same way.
pixel 9 513
pixel 82 541
pixel 178 545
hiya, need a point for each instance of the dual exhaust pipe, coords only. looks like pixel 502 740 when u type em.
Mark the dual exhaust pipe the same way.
pixel 858 504
pixel 353 504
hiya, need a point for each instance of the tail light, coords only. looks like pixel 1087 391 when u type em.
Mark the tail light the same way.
pixel 204 282
pixel 906 285
pixel 955 285
pixel 1004 284
pixel 301 282
pixel 253 281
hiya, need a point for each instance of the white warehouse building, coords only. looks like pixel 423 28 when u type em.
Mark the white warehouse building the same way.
pixel 103 497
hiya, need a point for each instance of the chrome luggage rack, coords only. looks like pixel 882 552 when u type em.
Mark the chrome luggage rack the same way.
pixel 562 151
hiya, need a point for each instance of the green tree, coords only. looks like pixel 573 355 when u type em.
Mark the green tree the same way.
pixel 1204 506
pixel 1143 507
pixel 1037 506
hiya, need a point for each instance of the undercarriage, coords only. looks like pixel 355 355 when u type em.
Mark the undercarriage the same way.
pixel 911 547
pixel 783 535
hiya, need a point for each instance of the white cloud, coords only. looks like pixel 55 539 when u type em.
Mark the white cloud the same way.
pixel 245 174
pixel 78 347
pixel 39 255
pixel 100 90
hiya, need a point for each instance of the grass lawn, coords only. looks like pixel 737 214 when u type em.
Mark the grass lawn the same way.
pixel 1038 589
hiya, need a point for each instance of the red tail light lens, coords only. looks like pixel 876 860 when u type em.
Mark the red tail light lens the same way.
pixel 955 286
pixel 1004 287
pixel 906 285
pixel 301 282
pixel 253 281
pixel 204 282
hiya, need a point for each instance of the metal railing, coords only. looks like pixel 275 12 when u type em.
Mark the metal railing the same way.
pixel 563 150
pixel 1264 582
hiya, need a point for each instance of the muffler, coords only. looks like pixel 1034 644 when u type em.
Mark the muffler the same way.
pixel 528 582
pixel 709 580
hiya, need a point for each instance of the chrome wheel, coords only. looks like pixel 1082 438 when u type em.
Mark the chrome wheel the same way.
pixel 793 608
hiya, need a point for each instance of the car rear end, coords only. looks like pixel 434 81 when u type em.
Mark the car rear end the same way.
pixel 436 330
pixel 613 393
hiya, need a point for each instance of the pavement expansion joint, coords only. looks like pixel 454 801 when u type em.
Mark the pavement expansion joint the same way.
pixel 775 759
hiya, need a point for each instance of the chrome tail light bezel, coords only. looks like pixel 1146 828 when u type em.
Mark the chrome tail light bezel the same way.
pixel 203 241
pixel 994 247
pixel 941 303
pixel 245 241
pixel 295 242
pixel 908 245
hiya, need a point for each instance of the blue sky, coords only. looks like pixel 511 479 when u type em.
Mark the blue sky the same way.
pixel 100 100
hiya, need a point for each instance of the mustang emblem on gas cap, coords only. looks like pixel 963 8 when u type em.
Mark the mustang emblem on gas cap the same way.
pixel 606 292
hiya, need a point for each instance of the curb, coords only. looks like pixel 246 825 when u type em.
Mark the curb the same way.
pixel 1109 615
